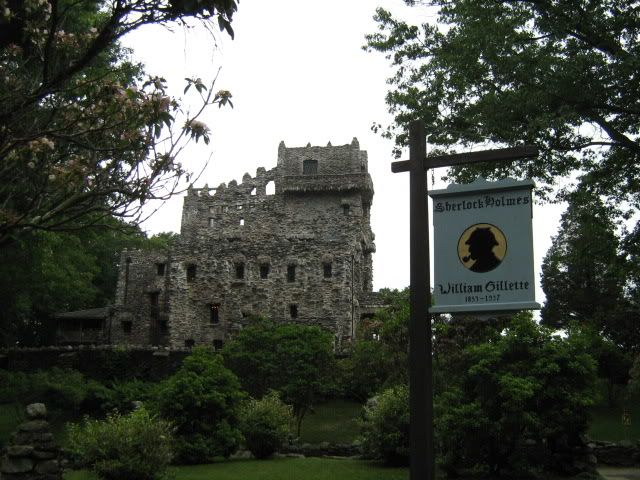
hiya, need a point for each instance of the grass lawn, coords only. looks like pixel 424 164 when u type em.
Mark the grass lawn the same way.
pixel 279 469
pixel 607 425
pixel 333 421
pixel 290 469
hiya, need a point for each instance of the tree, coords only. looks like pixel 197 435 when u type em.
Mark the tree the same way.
pixel 379 359
pixel 203 401
pixel 83 134
pixel 583 273
pixel 295 360
pixel 40 274
pixel 43 273
pixel 561 75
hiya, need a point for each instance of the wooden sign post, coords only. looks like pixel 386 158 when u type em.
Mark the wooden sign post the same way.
pixel 420 347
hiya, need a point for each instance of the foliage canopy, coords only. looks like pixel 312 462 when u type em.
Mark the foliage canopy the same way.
pixel 84 134
pixel 561 75
pixel 585 275
pixel 295 360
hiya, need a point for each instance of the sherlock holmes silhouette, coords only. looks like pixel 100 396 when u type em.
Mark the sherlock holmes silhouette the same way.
pixel 481 243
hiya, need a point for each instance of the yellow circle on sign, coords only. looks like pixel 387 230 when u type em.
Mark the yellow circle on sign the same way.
pixel 482 247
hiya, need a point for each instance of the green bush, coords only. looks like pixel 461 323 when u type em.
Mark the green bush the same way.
pixel 121 395
pixel 59 389
pixel 385 426
pixel 137 446
pixel 265 424
pixel 522 385
pixel 364 372
pixel 202 399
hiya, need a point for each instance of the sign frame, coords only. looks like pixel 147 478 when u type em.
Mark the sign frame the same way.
pixel 492 220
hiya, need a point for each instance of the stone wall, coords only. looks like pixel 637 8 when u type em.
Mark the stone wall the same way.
pixel 302 254
pixel 99 362
pixel 623 454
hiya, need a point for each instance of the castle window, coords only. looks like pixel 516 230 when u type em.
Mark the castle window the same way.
pixel 218 344
pixel 160 269
pixel 293 310
pixel 154 299
pixel 345 210
pixel 239 207
pixel 270 188
pixel 254 191
pixel 189 342
pixel 239 271
pixel 126 326
pixel 291 273
pixel 214 313
pixel 327 270
pixel 264 270
pixel 164 327
pixel 365 209
pixel 212 222
pixel 242 222
pixel 191 272
pixel 309 167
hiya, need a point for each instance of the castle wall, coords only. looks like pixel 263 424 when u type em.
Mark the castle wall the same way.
pixel 141 299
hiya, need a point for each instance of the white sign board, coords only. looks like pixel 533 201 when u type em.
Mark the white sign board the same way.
pixel 483 247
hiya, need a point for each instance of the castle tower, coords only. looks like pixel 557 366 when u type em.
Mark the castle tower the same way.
pixel 293 244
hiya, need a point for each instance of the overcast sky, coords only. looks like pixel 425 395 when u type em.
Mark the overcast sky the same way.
pixel 298 73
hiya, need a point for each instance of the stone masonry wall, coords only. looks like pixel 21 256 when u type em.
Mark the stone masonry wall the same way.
pixel 301 254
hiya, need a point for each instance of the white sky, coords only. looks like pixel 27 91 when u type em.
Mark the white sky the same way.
pixel 297 73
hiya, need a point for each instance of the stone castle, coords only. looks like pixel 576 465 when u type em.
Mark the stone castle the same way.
pixel 293 244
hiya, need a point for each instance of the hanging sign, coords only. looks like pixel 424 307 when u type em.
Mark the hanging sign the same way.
pixel 483 247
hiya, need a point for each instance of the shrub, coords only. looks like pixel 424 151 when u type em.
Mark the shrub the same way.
pixel 364 372
pixel 137 446
pixel 521 385
pixel 121 395
pixel 385 426
pixel 58 388
pixel 202 399
pixel 265 424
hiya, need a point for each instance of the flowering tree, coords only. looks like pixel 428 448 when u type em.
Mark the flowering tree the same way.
pixel 84 134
